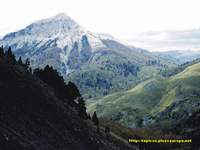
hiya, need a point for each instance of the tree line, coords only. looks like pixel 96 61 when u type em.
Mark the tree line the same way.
pixel 68 93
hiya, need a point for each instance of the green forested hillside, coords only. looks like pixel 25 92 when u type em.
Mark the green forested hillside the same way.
pixel 111 71
pixel 157 100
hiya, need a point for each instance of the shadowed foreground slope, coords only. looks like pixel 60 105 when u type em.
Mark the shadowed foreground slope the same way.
pixel 33 118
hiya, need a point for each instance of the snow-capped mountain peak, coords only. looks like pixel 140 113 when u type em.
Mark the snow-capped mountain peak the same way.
pixel 58 41
pixel 60 18
pixel 60 28
pixel 59 37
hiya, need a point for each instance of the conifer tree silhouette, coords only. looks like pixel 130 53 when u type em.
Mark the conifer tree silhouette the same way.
pixel 82 108
pixel 20 61
pixel 95 120
pixel 68 93
pixel 27 63
pixel 1 54
pixel 10 57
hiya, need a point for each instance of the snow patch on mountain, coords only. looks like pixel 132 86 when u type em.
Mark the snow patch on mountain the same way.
pixel 60 28
pixel 58 41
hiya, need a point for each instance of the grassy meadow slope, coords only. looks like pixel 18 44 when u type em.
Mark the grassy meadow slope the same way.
pixel 156 100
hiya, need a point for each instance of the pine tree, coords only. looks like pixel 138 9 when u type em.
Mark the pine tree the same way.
pixel 27 63
pixel 20 61
pixel 107 130
pixel 1 54
pixel 53 79
pixel 95 120
pixel 72 91
pixel 10 57
pixel 82 108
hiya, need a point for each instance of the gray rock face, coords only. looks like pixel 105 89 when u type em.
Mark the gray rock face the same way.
pixel 86 50
pixel 74 57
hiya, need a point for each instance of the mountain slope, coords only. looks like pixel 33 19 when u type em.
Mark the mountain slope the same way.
pixel 179 56
pixel 32 117
pixel 80 55
pixel 156 100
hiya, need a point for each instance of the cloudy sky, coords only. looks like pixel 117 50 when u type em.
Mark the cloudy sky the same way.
pixel 152 24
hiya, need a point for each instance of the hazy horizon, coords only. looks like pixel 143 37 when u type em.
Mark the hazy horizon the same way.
pixel 156 25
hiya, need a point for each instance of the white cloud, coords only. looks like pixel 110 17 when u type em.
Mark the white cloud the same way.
pixel 168 40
